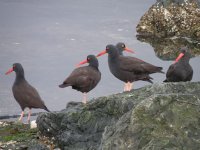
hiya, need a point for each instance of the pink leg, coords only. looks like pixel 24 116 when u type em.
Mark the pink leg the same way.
pixel 129 86
pixel 22 114
pixel 84 98
pixel 29 115
pixel 125 87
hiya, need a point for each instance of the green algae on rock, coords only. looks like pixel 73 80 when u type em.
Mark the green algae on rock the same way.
pixel 15 135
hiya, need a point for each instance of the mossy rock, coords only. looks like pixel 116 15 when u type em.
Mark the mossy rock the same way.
pixel 159 116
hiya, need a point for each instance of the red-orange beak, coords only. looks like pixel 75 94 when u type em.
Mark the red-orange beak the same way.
pixel 128 50
pixel 179 57
pixel 9 71
pixel 101 53
pixel 81 63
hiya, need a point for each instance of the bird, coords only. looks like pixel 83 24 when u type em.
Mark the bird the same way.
pixel 128 69
pixel 180 70
pixel 25 94
pixel 85 78
pixel 121 47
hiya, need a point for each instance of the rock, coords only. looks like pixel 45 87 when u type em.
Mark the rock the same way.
pixel 168 18
pixel 169 48
pixel 15 135
pixel 159 116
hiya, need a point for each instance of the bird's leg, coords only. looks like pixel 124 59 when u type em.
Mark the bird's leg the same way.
pixel 125 87
pixel 129 86
pixel 29 116
pixel 84 98
pixel 22 114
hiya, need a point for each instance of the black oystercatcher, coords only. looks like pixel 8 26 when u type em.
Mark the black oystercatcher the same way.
pixel 128 69
pixel 24 93
pixel 148 67
pixel 121 47
pixel 181 69
pixel 84 79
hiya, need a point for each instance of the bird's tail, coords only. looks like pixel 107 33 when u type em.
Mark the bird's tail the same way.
pixel 147 78
pixel 160 70
pixel 63 85
pixel 165 80
pixel 45 108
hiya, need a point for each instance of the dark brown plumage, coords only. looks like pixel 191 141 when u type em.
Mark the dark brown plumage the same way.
pixel 181 69
pixel 84 79
pixel 26 95
pixel 128 69
pixel 139 65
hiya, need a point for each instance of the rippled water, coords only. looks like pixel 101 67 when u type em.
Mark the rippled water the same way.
pixel 49 37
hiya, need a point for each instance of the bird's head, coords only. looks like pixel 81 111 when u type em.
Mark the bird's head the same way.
pixel 184 52
pixel 122 47
pixel 91 59
pixel 17 67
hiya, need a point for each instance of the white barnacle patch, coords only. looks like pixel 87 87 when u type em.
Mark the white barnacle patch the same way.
pixel 143 27
pixel 33 124
pixel 166 14
pixel 183 13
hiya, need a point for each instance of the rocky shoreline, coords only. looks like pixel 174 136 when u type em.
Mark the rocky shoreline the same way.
pixel 15 135
pixel 158 116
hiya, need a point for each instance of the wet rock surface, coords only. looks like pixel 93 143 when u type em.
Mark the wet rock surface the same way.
pixel 168 18
pixel 169 48
pixel 158 116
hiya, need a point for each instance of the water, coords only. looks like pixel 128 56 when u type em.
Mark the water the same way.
pixel 49 38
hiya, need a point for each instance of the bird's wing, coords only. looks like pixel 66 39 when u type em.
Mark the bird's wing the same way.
pixel 81 77
pixel 138 66
pixel 28 95
pixel 132 65
pixel 84 81
pixel 170 71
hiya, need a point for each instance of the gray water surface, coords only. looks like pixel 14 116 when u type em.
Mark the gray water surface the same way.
pixel 50 37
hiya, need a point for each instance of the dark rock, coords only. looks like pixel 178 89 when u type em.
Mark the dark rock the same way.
pixel 160 116
pixel 168 18
pixel 35 145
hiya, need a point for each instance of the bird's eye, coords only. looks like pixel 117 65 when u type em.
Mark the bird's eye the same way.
pixel 123 46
